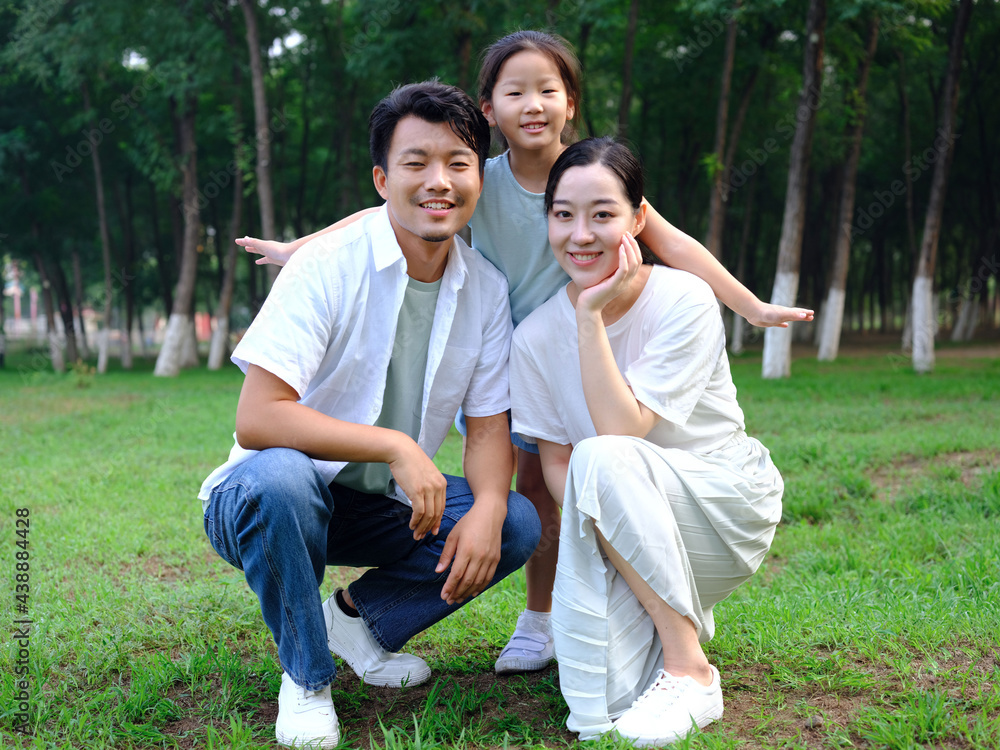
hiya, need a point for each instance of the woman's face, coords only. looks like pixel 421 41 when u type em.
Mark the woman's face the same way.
pixel 590 214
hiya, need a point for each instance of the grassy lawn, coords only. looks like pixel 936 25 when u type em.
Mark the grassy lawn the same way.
pixel 874 622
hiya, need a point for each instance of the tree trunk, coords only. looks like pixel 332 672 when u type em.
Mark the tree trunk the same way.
pixel 265 193
pixel 626 101
pixel 55 348
pixel 128 275
pixel 923 284
pixel 162 267
pixel 78 299
pixel 739 322
pixel 65 300
pixel 176 345
pixel 833 310
pixel 778 341
pixel 103 340
pixel 220 335
pixel 716 206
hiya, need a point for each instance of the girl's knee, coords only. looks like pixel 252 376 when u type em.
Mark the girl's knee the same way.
pixel 521 529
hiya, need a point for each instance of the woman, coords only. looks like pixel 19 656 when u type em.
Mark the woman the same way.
pixel 622 379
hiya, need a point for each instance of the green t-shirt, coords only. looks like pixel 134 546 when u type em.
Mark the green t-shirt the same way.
pixel 404 384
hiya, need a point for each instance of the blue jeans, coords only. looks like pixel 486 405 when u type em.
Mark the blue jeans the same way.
pixel 276 520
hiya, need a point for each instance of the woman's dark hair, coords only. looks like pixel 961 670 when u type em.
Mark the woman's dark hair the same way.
pixel 432 101
pixel 605 151
pixel 615 156
pixel 551 45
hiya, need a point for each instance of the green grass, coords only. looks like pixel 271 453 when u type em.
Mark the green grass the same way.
pixel 874 622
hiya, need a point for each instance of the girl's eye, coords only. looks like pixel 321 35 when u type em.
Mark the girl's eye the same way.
pixel 603 215
pixel 561 214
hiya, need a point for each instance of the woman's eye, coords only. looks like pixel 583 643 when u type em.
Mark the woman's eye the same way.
pixel 603 215
pixel 561 214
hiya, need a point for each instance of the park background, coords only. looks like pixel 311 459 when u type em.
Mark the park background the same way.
pixel 841 154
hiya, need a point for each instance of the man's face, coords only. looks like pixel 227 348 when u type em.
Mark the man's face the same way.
pixel 432 183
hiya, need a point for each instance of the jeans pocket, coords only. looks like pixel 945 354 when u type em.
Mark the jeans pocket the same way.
pixel 217 542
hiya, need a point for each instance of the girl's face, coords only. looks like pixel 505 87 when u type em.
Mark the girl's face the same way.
pixel 590 214
pixel 529 103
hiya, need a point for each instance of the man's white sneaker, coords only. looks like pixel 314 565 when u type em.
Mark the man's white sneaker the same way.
pixel 306 718
pixel 349 638
pixel 528 650
pixel 669 708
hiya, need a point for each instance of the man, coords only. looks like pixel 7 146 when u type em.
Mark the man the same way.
pixel 369 342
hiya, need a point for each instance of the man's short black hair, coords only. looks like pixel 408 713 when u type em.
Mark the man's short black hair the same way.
pixel 432 101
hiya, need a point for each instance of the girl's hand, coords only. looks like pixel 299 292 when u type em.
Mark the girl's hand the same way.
pixel 274 252
pixel 767 315
pixel 594 299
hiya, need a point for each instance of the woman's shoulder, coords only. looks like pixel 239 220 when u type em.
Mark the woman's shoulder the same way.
pixel 545 322
pixel 673 286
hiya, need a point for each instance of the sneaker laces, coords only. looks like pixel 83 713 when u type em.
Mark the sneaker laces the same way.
pixel 665 690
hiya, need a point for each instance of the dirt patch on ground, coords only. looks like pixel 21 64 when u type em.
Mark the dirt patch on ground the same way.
pixel 530 707
pixel 969 468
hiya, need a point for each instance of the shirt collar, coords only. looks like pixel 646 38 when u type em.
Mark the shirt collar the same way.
pixel 386 251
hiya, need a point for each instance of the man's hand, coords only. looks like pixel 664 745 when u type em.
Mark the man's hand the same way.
pixel 426 487
pixel 473 551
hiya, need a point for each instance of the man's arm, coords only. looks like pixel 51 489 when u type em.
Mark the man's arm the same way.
pixel 473 546
pixel 278 253
pixel 269 416
pixel 678 250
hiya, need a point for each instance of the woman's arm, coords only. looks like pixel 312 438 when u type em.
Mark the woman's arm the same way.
pixel 678 250
pixel 613 407
pixel 278 253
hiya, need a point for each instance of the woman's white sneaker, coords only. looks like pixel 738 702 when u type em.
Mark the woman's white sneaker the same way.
pixel 670 708
pixel 306 718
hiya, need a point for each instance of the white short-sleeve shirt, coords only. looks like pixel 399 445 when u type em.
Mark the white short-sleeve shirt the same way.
pixel 328 325
pixel 670 346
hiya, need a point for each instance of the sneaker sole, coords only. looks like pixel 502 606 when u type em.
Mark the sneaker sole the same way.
pixel 517 664
pixel 411 680
pixel 327 742
pixel 702 721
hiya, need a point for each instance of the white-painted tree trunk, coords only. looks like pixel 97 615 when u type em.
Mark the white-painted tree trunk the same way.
pixel 908 328
pixel 189 353
pixel 924 325
pixel 126 349
pixel 103 344
pixel 168 363
pixel 968 319
pixel 736 341
pixel 56 352
pixel 220 344
pixel 778 341
pixel 831 324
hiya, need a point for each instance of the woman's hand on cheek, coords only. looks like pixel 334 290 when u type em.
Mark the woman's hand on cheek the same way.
pixel 594 299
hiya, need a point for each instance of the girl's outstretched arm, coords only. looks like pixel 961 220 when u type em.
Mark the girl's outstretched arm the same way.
pixel 678 250
pixel 278 253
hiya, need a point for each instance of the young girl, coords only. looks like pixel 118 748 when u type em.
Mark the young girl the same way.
pixel 529 88
pixel 622 378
